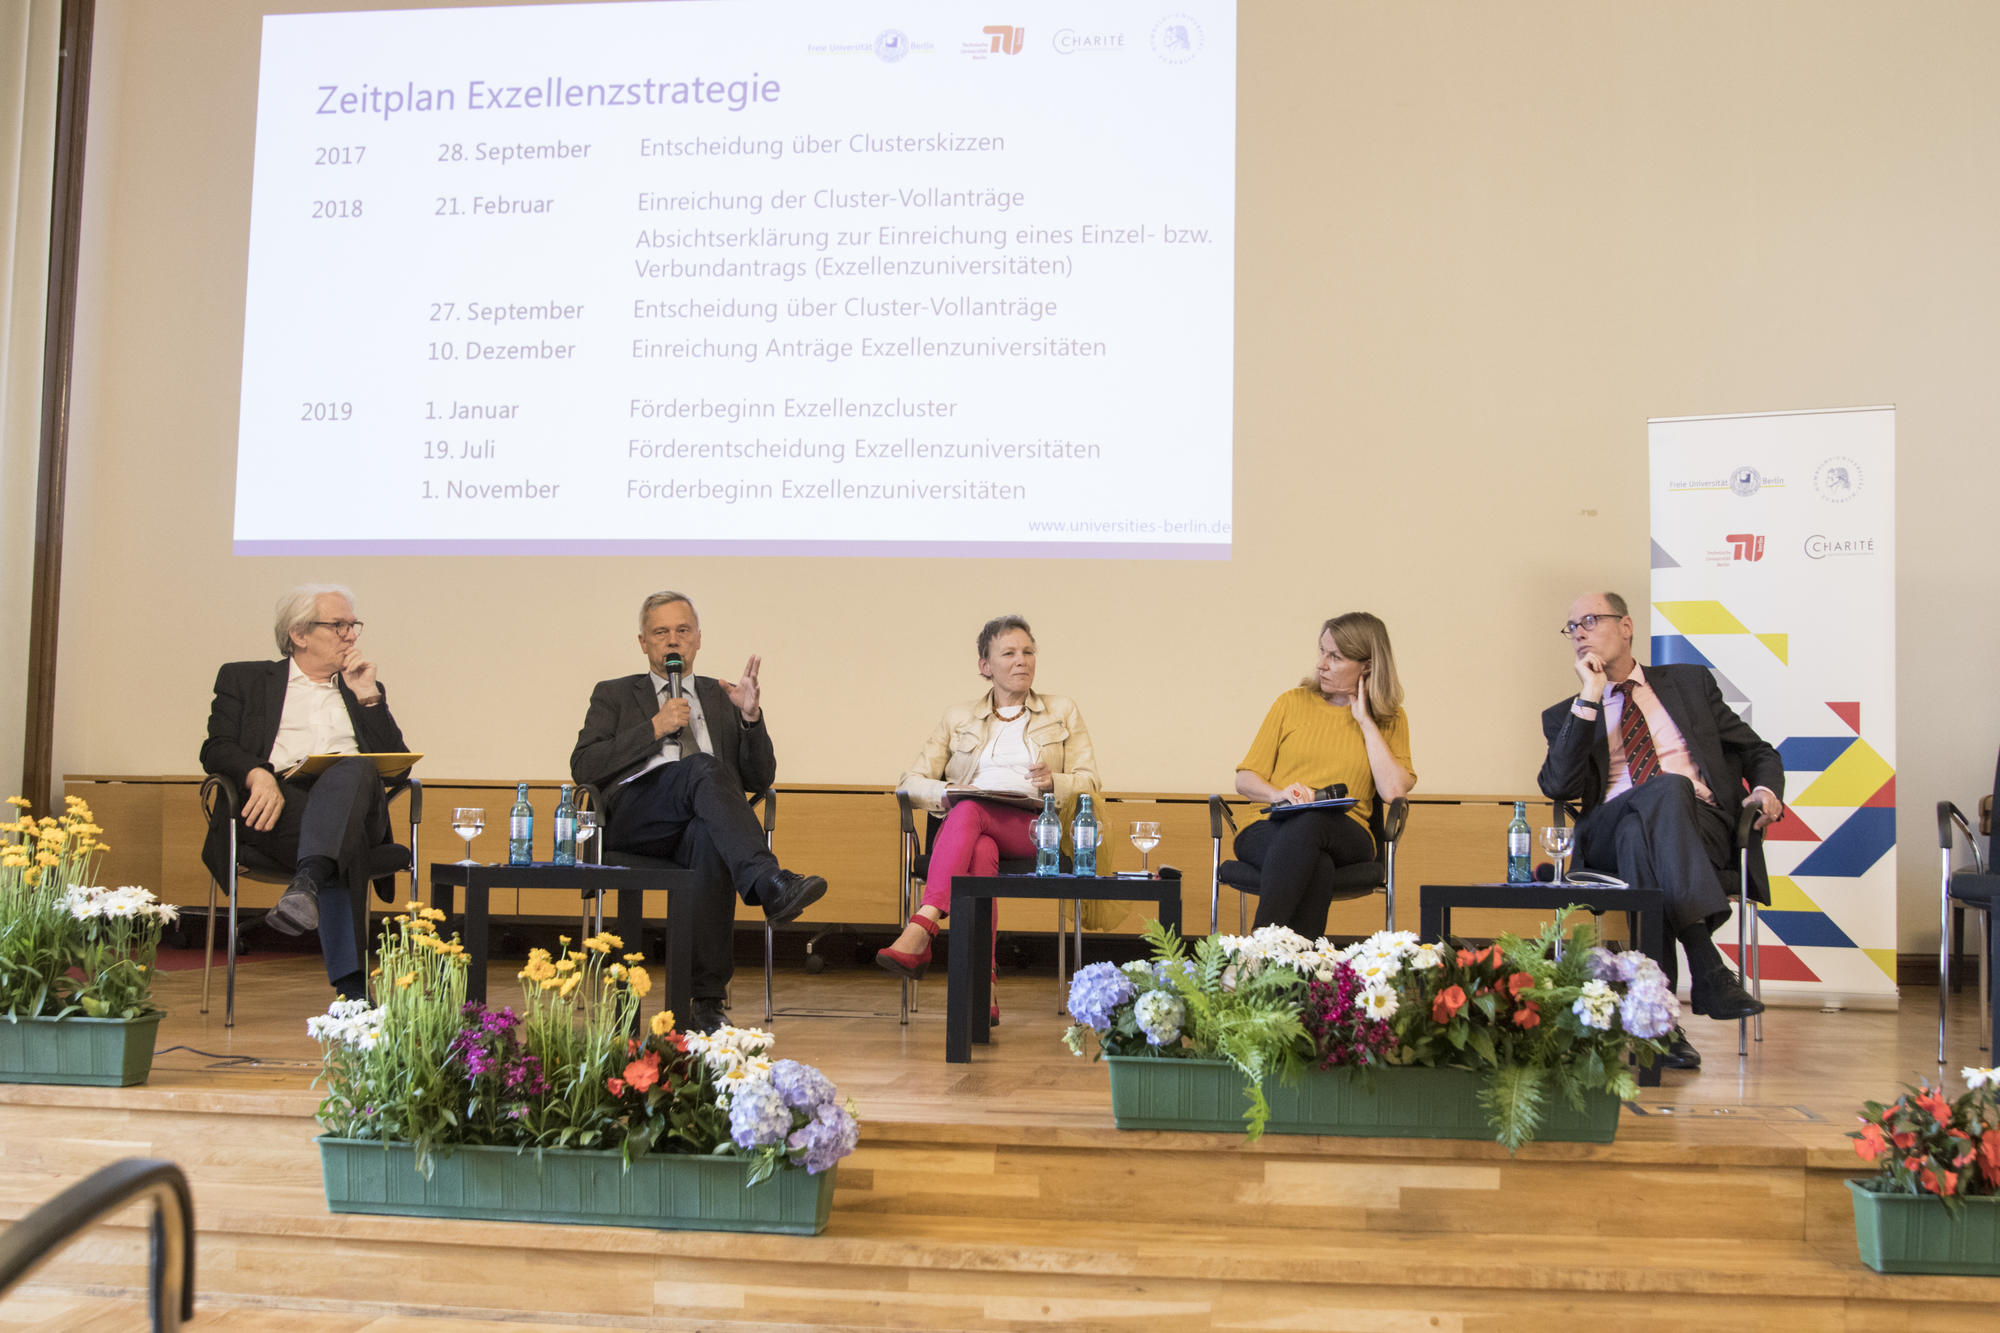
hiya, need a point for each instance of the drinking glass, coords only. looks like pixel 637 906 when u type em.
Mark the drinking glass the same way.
pixel 1145 836
pixel 467 821
pixel 1557 840
pixel 586 829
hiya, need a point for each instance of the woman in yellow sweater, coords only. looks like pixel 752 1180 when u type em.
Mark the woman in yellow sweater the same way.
pixel 1344 724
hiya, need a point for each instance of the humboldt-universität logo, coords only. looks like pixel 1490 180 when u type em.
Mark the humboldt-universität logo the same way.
pixel 1837 479
pixel 1177 39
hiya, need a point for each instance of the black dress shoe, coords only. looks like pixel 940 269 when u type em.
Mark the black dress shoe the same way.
pixel 704 1016
pixel 298 909
pixel 1681 1053
pixel 1719 995
pixel 785 895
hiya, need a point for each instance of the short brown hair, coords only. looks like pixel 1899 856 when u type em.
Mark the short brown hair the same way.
pixel 997 626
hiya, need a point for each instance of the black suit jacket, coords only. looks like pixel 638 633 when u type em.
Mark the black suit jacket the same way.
pixel 1731 758
pixel 243 724
pixel 617 737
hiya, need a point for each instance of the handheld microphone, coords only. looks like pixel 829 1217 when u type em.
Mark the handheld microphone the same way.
pixel 674 667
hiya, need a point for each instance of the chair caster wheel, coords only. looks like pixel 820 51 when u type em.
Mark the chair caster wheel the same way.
pixel 815 964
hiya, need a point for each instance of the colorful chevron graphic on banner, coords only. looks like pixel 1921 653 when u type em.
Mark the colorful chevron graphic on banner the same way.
pixel 1847 811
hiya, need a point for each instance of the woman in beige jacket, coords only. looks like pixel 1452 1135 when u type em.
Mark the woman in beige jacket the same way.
pixel 1011 741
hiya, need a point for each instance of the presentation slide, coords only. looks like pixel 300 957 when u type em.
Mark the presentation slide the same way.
pixel 729 277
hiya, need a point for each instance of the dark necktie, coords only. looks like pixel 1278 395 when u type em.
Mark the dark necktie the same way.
pixel 685 737
pixel 1642 761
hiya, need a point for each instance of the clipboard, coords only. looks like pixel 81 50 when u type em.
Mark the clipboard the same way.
pixel 1019 800
pixel 387 764
pixel 1338 803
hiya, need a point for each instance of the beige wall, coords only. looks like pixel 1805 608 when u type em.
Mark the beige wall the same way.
pixel 1480 243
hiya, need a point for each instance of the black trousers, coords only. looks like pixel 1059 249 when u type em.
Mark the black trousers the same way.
pixel 1661 835
pixel 1296 857
pixel 341 814
pixel 686 812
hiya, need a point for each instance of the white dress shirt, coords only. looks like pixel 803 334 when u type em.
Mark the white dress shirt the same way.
pixel 670 749
pixel 314 721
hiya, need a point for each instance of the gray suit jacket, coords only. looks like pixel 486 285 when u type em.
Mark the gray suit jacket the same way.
pixel 617 736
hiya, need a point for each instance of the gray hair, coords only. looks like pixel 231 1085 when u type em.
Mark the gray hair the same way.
pixel 1617 604
pixel 997 626
pixel 664 599
pixel 298 608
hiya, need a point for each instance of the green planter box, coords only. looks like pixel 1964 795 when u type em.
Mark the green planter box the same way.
pixel 1401 1103
pixel 675 1193
pixel 1908 1233
pixel 99 1052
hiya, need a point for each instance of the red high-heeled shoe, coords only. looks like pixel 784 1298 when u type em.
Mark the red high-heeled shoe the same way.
pixel 910 965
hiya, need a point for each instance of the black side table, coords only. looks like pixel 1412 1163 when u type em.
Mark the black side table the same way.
pixel 1644 909
pixel 969 981
pixel 629 884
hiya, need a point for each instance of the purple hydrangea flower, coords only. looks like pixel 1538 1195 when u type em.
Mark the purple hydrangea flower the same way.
pixel 1096 992
pixel 801 1087
pixel 757 1116
pixel 1649 1010
pixel 823 1140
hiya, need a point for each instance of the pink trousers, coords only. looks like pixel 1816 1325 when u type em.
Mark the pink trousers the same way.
pixel 971 841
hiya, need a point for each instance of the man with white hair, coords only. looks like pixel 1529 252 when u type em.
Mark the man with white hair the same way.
pixel 320 697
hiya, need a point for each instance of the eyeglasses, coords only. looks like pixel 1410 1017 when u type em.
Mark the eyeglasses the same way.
pixel 1589 622
pixel 341 627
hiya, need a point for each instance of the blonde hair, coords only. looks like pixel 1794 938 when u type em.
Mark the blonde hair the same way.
pixel 1360 636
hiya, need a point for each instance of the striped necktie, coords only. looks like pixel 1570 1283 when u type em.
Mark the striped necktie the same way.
pixel 1642 761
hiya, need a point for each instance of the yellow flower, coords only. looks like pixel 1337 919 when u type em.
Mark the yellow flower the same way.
pixel 431 914
pixel 569 984
pixel 635 958
pixel 376 973
pixel 640 980
pixel 20 801
pixel 407 978
pixel 566 965
pixel 616 971
pixel 103 847
pixel 550 984
pixel 46 858
pixel 596 944
pixel 402 920
pixel 663 1022
pixel 562 939
pixel 33 874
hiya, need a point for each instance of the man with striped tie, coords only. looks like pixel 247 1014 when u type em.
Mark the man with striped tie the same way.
pixel 1661 768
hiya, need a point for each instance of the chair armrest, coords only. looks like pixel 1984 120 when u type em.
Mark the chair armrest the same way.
pixel 1746 825
pixel 768 798
pixel 415 787
pixel 1395 819
pixel 1986 815
pixel 906 812
pixel 1563 812
pixel 588 797
pixel 219 796
pixel 1947 814
pixel 1219 817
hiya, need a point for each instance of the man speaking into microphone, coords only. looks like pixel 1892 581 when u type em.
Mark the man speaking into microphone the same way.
pixel 673 753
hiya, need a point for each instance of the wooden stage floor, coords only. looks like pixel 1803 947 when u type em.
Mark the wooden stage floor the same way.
pixel 997 1195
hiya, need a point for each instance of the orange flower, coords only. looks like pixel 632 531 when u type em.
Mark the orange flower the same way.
pixel 1905 1138
pixel 617 1086
pixel 1939 1108
pixel 1989 1156
pixel 1466 957
pixel 642 1074
pixel 1449 1001
pixel 1913 1164
pixel 1517 983
pixel 1871 1146
pixel 1929 1179
pixel 1527 1016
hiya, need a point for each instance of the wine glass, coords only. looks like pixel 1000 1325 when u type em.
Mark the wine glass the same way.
pixel 1145 836
pixel 467 821
pixel 586 829
pixel 1557 839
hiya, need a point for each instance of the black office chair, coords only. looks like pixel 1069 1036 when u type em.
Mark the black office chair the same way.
pixel 916 869
pixel 1749 941
pixel 1355 881
pixel 590 798
pixel 1959 893
pixel 220 800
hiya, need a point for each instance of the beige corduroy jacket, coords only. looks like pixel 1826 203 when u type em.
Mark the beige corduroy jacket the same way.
pixel 1056 736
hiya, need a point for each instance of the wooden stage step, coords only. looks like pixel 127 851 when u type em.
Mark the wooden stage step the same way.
pixel 998 1196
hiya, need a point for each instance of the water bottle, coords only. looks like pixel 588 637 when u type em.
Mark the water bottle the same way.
pixel 1518 869
pixel 1084 835
pixel 566 827
pixel 1048 838
pixel 521 829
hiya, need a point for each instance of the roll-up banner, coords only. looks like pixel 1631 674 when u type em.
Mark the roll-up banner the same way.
pixel 1774 566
